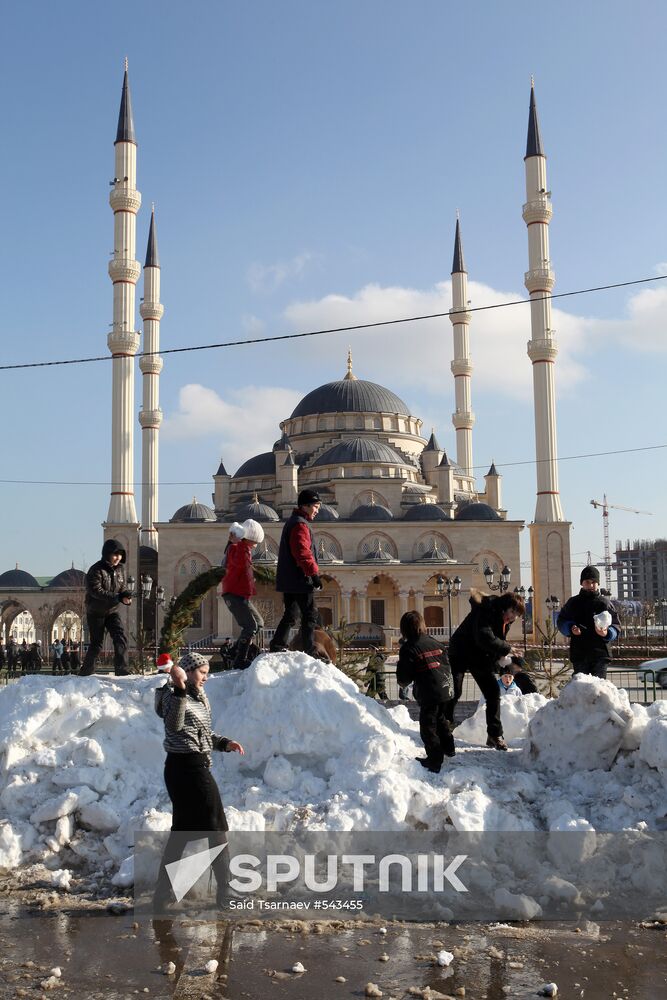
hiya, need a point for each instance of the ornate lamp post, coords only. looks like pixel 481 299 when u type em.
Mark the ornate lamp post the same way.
pixel 446 586
pixel 663 610
pixel 503 582
pixel 159 603
pixel 523 594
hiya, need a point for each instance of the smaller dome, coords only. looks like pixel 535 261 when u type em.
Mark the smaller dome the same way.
pixel 425 512
pixel 359 450
pixel 263 556
pixel 260 465
pixel 327 513
pixel 17 578
pixel 193 513
pixel 371 512
pixel 477 512
pixel 255 509
pixel 69 578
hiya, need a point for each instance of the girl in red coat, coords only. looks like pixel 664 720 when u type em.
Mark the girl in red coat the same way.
pixel 238 585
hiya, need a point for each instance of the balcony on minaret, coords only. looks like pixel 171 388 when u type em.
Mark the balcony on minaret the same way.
pixel 539 279
pixel 538 210
pixel 459 315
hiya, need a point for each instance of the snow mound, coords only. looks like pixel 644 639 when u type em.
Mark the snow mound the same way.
pixel 515 714
pixel 81 764
pixel 583 729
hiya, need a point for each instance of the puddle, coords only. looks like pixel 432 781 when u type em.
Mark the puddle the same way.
pixel 111 956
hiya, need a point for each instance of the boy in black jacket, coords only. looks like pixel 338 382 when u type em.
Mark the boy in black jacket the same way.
pixel 423 662
pixel 105 590
pixel 589 644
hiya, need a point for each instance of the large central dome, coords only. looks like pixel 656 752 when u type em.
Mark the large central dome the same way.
pixel 350 396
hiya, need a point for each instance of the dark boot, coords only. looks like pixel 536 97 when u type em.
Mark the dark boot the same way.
pixel 240 661
pixel 496 743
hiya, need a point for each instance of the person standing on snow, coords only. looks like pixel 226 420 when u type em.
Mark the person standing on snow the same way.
pixel 238 586
pixel 105 590
pixel 298 575
pixel 189 742
pixel 422 661
pixel 589 639
pixel 477 645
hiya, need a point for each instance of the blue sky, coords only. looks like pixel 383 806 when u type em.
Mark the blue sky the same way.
pixel 307 160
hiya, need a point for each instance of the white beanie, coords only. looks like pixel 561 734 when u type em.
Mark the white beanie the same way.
pixel 237 530
pixel 252 531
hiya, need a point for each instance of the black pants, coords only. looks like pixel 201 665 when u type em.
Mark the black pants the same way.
pixel 594 665
pixel 487 682
pixel 295 605
pixel 435 733
pixel 197 810
pixel 114 626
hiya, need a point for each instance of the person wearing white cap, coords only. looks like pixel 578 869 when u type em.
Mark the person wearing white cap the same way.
pixel 238 585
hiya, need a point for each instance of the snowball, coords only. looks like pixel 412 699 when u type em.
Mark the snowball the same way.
pixel 444 958
pixel 211 966
pixel 298 967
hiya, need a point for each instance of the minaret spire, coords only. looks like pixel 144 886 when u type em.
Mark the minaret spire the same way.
pixel 125 130
pixel 350 376
pixel 542 348
pixel 123 341
pixel 534 141
pixel 150 415
pixel 463 418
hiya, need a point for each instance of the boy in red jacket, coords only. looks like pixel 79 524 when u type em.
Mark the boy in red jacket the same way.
pixel 238 585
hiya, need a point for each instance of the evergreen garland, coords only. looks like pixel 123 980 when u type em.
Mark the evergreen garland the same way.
pixel 181 611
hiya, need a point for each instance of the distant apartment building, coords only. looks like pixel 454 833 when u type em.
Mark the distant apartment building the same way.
pixel 641 570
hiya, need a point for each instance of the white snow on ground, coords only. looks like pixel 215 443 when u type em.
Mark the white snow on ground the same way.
pixel 81 764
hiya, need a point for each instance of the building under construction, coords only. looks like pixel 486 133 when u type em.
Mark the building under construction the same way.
pixel 641 570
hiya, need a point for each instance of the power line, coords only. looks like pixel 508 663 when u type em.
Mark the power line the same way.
pixel 336 329
pixel 207 482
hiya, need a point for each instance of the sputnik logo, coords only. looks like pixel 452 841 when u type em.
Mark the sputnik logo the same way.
pixel 183 874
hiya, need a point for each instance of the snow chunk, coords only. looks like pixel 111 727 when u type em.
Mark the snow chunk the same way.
pixel 515 714
pixel 583 729
pixel 63 805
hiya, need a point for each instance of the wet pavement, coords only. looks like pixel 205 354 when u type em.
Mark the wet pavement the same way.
pixel 100 955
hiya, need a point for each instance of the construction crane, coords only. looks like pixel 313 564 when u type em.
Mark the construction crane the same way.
pixel 605 525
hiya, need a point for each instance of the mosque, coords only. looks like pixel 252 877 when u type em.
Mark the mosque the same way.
pixel 403 525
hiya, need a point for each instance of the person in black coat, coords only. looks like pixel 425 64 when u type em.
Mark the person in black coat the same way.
pixel 105 590
pixel 477 645
pixel 422 662
pixel 589 644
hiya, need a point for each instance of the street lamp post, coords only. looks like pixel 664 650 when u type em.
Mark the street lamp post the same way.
pixel 663 608
pixel 523 593
pixel 446 586
pixel 159 602
pixel 503 582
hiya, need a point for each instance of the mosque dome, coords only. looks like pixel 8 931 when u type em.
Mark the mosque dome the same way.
pixel 360 450
pixel 255 509
pixel 350 395
pixel 193 513
pixel 327 513
pixel 69 578
pixel 425 512
pixel 347 396
pixel 260 465
pixel 477 512
pixel 17 578
pixel 371 512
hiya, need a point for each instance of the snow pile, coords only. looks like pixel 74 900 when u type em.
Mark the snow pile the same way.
pixel 81 764
pixel 583 728
pixel 515 714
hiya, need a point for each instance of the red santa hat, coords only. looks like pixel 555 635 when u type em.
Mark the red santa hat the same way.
pixel 164 663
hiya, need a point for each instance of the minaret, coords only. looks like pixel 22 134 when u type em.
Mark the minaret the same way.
pixel 150 363
pixel 549 532
pixel 542 348
pixel 123 341
pixel 463 418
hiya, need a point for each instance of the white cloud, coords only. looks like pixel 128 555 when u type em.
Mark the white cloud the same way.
pixel 266 278
pixel 245 423
pixel 418 354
